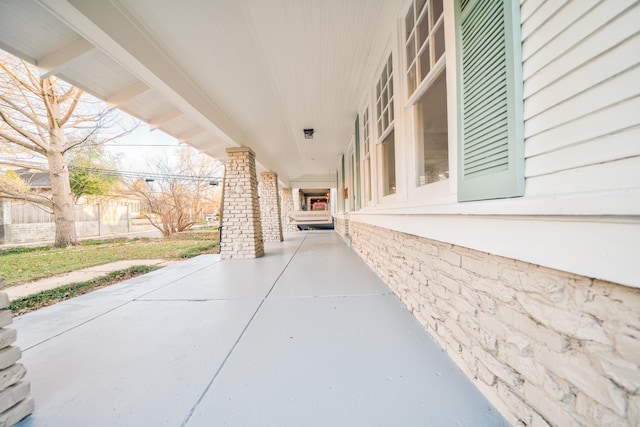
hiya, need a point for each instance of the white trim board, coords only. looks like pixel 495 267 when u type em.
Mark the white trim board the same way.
pixel 602 248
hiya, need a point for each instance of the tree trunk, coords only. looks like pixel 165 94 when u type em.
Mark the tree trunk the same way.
pixel 63 214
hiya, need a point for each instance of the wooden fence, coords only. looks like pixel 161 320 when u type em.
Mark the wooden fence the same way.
pixel 22 222
pixel 93 209
pixel 26 213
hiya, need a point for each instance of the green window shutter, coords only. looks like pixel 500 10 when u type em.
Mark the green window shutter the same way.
pixel 490 117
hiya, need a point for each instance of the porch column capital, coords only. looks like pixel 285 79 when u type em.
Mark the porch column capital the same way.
pixel 234 150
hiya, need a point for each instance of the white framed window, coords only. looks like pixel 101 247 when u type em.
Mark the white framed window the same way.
pixel 357 160
pixel 427 88
pixel 354 188
pixel 424 40
pixel 349 177
pixel 433 138
pixel 366 158
pixel 385 128
pixel 342 185
pixel 388 160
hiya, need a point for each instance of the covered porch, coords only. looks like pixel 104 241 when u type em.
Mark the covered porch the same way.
pixel 305 335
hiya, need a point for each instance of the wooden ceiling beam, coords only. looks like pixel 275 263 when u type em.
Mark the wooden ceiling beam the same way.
pixel 163 118
pixel 55 62
pixel 128 93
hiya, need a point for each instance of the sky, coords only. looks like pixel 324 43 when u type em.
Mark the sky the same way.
pixel 138 151
pixel 141 149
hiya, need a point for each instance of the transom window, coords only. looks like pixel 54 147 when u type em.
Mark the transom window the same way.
pixel 384 99
pixel 424 37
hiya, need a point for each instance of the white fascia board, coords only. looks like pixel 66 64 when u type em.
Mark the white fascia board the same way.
pixel 315 181
pixel 313 184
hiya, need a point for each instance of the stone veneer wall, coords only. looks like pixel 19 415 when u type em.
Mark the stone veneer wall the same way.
pixel 544 346
pixel 341 226
pixel 241 228
pixel 270 210
pixel 15 401
pixel 286 195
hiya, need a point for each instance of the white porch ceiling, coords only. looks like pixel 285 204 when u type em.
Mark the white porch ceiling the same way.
pixel 217 73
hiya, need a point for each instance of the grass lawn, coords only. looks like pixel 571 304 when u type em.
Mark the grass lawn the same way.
pixel 21 265
pixel 52 296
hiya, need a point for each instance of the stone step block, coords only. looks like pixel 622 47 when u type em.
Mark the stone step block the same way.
pixel 17 412
pixel 11 375
pixel 14 395
pixel 9 356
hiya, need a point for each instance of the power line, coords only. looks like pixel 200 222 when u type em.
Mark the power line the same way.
pixel 132 174
pixel 144 145
pixel 144 175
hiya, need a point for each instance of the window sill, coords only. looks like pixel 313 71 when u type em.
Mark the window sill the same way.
pixel 620 202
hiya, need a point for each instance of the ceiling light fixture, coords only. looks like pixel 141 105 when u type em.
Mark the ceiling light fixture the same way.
pixel 308 133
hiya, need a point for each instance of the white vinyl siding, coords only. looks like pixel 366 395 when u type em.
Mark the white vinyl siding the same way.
pixel 490 163
pixel 581 145
pixel 581 66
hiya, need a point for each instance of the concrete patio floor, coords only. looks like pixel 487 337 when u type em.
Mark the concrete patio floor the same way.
pixel 307 335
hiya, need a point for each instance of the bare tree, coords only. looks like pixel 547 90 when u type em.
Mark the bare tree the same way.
pixel 173 201
pixel 40 121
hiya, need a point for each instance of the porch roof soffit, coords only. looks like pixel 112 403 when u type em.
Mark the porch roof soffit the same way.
pixel 223 81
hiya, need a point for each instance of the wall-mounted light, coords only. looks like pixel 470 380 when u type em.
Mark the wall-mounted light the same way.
pixel 308 133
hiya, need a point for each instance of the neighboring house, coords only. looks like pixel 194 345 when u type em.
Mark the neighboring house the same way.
pixel 37 181
pixel 24 222
pixel 487 155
